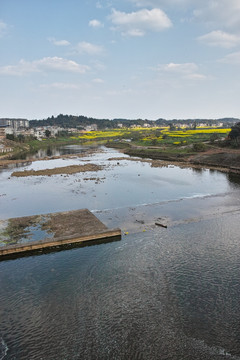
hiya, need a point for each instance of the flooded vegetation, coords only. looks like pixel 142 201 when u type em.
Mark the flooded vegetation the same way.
pixel 22 230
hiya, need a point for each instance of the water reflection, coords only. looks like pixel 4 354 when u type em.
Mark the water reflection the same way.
pixel 233 178
pixel 15 165
pixel 198 170
pixel 49 152
pixel 53 151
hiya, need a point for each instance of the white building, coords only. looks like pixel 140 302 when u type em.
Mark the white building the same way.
pixel 16 124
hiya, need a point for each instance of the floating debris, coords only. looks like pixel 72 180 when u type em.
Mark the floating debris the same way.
pixel 162 225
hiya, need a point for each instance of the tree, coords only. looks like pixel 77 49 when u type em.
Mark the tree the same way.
pixel 194 125
pixel 47 133
pixel 235 131
pixel 214 137
pixel 234 135
pixel 21 138
pixel 172 127
pixel 10 137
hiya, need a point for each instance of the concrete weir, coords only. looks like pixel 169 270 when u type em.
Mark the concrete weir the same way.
pixel 30 233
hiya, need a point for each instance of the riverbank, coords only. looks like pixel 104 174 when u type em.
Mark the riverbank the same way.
pixel 217 158
pixel 222 159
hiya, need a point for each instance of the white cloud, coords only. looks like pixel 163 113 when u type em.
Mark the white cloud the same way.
pixel 159 3
pixel 95 23
pixel 185 70
pixel 88 48
pixel 58 42
pixel 196 76
pixel 220 38
pixel 139 22
pixel 60 86
pixel 233 58
pixel 98 81
pixel 44 65
pixel 22 68
pixel 104 4
pixel 99 66
pixel 3 28
pixel 99 5
pixel 135 32
pixel 222 12
pixel 181 68
pixel 120 92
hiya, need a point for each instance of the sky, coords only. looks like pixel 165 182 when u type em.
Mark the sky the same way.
pixel 148 59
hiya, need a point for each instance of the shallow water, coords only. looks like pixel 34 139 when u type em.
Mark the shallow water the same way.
pixel 156 294
pixel 116 186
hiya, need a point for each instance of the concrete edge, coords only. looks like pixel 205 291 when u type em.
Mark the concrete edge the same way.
pixel 48 243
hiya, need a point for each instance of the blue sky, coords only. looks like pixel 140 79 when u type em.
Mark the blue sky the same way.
pixel 131 59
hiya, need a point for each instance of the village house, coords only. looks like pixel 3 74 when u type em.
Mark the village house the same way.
pixel 92 127
pixel 2 132
pixel 40 132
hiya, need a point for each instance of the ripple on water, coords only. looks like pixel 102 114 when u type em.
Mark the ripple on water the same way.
pixel 3 348
pixel 161 294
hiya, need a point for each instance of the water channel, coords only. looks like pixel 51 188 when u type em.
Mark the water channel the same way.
pixel 159 293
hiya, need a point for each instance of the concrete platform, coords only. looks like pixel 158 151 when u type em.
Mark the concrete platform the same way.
pixel 30 233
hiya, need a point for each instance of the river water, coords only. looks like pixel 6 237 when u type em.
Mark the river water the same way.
pixel 158 293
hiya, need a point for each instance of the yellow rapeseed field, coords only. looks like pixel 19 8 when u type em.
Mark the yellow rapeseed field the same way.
pixel 157 134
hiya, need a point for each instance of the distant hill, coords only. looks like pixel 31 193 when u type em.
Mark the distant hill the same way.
pixel 71 121
pixel 207 122
pixel 81 122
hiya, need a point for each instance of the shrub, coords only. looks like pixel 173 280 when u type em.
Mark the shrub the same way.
pixel 199 147
pixel 214 137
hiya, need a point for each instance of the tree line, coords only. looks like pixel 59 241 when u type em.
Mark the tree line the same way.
pixel 81 122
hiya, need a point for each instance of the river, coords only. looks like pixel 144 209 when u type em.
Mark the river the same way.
pixel 158 293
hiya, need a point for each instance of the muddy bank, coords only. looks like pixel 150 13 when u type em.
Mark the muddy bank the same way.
pixel 165 163
pixel 230 160
pixel 218 159
pixel 72 169
pixel 155 154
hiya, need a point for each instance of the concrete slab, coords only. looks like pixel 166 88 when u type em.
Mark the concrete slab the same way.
pixel 29 233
